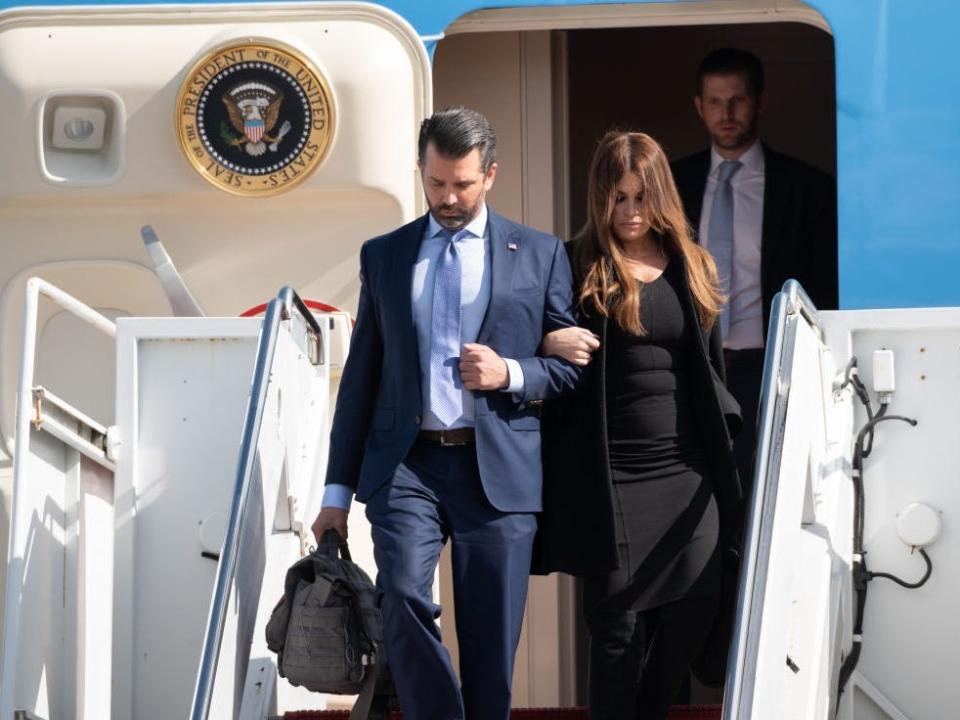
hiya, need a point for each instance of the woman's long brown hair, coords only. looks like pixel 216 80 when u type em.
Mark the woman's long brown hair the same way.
pixel 607 285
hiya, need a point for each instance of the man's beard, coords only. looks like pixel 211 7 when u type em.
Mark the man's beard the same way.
pixel 735 142
pixel 461 216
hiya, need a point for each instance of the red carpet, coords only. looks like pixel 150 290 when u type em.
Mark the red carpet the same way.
pixel 684 712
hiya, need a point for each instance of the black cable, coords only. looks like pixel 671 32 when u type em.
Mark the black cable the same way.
pixel 859 454
pixel 880 413
pixel 903 583
pixel 851 376
pixel 847 371
pixel 861 575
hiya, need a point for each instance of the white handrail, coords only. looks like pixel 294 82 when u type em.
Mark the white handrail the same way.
pixel 19 526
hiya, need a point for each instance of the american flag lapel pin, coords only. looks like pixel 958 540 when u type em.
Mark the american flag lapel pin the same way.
pixel 512 246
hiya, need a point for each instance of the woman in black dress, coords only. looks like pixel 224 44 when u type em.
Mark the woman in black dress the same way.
pixel 640 481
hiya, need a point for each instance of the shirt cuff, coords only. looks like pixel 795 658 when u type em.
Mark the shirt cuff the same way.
pixel 338 496
pixel 516 376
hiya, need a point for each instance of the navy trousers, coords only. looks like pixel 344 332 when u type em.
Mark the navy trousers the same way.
pixel 434 495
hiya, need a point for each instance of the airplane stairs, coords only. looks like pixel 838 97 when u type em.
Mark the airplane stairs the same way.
pixel 680 712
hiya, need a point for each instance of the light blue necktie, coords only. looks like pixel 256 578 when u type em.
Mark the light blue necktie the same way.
pixel 720 235
pixel 446 396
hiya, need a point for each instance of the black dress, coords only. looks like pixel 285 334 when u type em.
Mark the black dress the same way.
pixel 665 513
pixel 648 617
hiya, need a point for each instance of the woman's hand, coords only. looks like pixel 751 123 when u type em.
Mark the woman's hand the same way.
pixel 573 344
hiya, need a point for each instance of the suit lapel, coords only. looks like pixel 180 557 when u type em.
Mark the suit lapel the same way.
pixel 774 202
pixel 407 250
pixel 697 187
pixel 505 247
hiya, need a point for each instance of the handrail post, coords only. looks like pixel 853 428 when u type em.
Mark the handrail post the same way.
pixel 280 308
pixel 228 558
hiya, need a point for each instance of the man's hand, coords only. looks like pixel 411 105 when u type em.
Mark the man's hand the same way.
pixel 330 517
pixel 482 369
pixel 574 344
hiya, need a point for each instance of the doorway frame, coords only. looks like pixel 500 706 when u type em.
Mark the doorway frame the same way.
pixel 540 200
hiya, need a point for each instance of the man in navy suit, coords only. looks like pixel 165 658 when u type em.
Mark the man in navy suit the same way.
pixel 437 424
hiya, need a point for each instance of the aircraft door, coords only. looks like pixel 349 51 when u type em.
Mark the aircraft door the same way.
pixel 794 609
pixel 847 544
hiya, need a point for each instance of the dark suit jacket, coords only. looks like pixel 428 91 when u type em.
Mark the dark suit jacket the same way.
pixel 576 531
pixel 799 234
pixel 379 406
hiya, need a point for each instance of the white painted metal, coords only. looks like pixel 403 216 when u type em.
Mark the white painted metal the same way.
pixel 619 15
pixel 84 240
pixel 79 644
pixel 42 624
pixel 798 615
pixel 95 537
pixel 184 385
pixel 180 428
pixel 44 473
pixel 910 636
pixel 802 585
pixel 88 381
pixel 77 225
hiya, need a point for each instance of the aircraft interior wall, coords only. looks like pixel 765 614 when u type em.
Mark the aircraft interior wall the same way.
pixel 644 79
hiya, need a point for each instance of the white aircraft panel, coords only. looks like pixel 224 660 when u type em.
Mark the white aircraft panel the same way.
pixel 184 387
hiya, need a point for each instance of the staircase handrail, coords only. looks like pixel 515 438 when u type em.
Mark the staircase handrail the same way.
pixel 775 389
pixel 280 308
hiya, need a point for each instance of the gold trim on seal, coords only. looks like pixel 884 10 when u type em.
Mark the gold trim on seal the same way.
pixel 294 162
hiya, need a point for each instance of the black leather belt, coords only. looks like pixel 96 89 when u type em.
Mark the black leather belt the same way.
pixel 447 438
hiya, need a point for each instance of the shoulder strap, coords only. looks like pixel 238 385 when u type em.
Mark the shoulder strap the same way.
pixel 364 704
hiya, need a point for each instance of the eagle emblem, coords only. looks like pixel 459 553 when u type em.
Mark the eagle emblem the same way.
pixel 255 117
pixel 254 109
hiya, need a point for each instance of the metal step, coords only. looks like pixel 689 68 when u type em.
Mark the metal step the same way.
pixel 680 712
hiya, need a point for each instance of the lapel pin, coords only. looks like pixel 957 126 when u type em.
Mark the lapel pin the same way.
pixel 512 246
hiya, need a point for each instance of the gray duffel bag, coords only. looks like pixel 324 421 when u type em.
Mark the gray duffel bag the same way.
pixel 327 629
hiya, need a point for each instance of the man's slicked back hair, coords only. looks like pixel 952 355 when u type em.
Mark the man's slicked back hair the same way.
pixel 454 132
pixel 732 61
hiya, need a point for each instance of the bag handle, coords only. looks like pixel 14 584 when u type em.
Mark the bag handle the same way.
pixel 331 543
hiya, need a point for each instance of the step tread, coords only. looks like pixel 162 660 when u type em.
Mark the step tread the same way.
pixel 680 712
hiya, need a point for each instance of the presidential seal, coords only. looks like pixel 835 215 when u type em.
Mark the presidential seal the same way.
pixel 255 117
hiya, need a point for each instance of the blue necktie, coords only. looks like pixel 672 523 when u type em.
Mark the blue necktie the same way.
pixel 720 235
pixel 446 395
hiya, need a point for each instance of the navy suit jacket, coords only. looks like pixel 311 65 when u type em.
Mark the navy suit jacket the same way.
pixel 379 406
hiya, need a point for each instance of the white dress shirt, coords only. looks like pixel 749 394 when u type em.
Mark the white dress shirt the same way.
pixel 474 249
pixel 475 284
pixel 746 303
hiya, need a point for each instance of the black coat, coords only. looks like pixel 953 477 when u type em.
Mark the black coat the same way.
pixel 576 531
pixel 799 233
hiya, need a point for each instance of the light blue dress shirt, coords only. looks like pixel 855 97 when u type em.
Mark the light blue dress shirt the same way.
pixel 474 248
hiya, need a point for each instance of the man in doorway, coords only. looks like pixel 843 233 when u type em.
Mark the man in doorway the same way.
pixel 436 426
pixel 764 216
